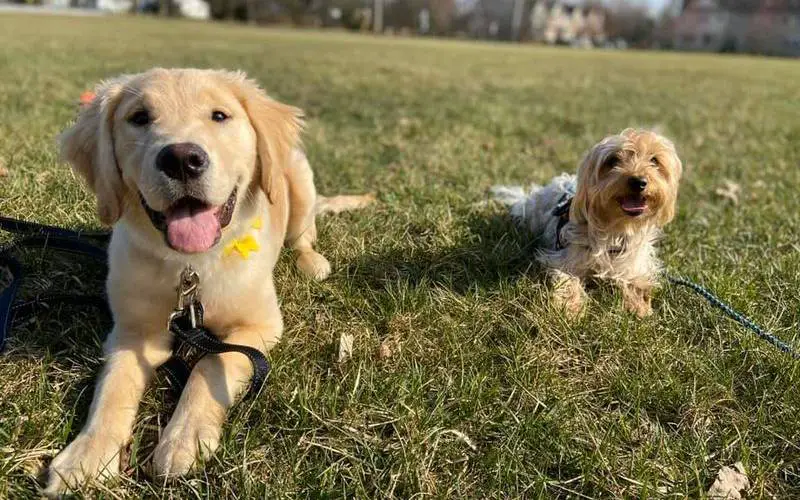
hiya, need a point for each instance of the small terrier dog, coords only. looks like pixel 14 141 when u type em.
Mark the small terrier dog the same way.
pixel 603 222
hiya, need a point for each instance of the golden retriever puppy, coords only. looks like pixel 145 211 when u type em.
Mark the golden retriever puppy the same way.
pixel 603 222
pixel 191 167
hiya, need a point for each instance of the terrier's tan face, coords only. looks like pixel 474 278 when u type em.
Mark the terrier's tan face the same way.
pixel 628 181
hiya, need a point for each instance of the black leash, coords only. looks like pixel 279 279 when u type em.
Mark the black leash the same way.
pixel 186 324
pixel 200 338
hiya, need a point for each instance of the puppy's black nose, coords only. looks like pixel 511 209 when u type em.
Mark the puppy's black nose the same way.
pixel 182 161
pixel 637 183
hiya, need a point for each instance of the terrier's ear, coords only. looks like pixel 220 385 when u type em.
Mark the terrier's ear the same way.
pixel 580 209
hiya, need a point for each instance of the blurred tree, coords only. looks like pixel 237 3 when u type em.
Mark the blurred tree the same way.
pixel 630 22
pixel 355 14
pixel 165 7
pixel 443 13
pixel 298 9
pixel 402 13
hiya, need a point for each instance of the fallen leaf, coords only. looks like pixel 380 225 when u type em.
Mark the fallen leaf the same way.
pixel 699 140
pixel 385 350
pixel 345 347
pixel 730 483
pixel 86 98
pixel 729 190
pixel 388 348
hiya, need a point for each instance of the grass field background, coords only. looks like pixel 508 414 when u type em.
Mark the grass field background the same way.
pixel 488 392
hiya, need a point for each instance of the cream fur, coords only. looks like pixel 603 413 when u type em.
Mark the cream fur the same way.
pixel 258 152
pixel 597 224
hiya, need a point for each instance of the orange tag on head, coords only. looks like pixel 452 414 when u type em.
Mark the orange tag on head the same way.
pixel 87 98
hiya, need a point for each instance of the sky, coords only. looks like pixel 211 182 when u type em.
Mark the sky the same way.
pixel 656 6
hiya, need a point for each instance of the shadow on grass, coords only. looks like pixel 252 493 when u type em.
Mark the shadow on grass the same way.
pixel 66 338
pixel 493 251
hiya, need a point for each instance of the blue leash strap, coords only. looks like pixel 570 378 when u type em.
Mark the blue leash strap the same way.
pixel 42 236
pixel 8 295
pixel 733 314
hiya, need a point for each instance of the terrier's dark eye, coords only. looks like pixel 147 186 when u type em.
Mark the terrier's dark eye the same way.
pixel 610 162
pixel 654 161
pixel 139 118
pixel 219 116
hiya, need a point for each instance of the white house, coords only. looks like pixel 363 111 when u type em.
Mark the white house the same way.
pixel 568 22
pixel 194 9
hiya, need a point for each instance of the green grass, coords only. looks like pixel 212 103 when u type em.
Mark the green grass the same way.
pixel 489 392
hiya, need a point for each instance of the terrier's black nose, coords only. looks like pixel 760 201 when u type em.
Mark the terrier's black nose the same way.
pixel 182 161
pixel 637 183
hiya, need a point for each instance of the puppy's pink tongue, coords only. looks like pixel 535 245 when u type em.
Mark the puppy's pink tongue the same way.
pixel 192 230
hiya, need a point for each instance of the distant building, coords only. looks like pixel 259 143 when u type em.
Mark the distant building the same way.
pixel 571 23
pixel 195 9
pixel 758 26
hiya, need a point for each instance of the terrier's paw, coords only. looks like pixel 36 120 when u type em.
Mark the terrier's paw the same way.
pixel 637 300
pixel 88 457
pixel 569 296
pixel 572 305
pixel 313 265
pixel 182 446
pixel 640 308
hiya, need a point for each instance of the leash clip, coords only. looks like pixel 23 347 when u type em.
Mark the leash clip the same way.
pixel 188 290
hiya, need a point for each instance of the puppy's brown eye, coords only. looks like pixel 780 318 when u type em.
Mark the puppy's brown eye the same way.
pixel 654 161
pixel 140 118
pixel 219 116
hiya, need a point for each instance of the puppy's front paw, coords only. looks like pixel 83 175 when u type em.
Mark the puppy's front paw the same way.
pixel 88 457
pixel 182 445
pixel 314 265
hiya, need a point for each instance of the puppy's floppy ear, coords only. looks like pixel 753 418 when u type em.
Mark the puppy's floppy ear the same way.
pixel 89 147
pixel 278 127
